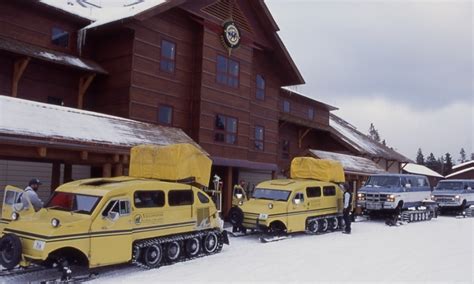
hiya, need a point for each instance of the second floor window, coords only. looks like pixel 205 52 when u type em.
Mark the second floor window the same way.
pixel 260 87
pixel 226 129
pixel 165 115
pixel 259 137
pixel 227 71
pixel 168 56
pixel 311 113
pixel 286 106
pixel 59 37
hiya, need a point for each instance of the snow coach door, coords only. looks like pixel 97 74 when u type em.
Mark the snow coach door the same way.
pixel 111 236
pixel 297 212
pixel 13 202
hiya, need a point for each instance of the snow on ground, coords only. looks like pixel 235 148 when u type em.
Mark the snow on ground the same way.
pixel 440 250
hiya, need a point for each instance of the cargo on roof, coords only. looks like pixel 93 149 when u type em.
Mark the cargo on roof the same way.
pixel 318 169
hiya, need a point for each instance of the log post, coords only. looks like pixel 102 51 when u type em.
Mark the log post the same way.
pixel 84 83
pixel 107 170
pixel 67 173
pixel 118 170
pixel 18 68
pixel 55 176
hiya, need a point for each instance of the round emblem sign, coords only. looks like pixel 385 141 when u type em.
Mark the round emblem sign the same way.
pixel 231 35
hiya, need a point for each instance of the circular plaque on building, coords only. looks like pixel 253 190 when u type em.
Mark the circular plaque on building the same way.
pixel 231 35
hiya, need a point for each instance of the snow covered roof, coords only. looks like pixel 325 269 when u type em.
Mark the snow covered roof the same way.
pixel 292 89
pixel 413 168
pixel 33 120
pixel 101 12
pixel 351 164
pixel 40 53
pixel 460 172
pixel 463 164
pixel 361 142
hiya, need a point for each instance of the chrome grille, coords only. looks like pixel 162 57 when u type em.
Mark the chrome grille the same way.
pixel 376 197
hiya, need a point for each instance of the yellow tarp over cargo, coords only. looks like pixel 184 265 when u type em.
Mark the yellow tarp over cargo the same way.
pixel 173 162
pixel 319 169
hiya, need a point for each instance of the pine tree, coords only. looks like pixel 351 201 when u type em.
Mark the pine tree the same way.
pixel 420 159
pixel 440 165
pixel 448 164
pixel 431 162
pixel 374 133
pixel 462 153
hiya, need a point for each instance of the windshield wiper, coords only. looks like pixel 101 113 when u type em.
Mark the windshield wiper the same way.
pixel 53 207
pixel 80 211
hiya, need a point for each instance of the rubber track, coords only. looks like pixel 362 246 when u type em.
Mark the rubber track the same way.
pixel 181 237
pixel 416 216
pixel 329 230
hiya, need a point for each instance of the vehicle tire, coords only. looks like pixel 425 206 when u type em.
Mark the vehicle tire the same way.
pixel 210 243
pixel 153 256
pixel 412 218
pixel 342 224
pixel 324 225
pixel 193 247
pixel 10 251
pixel 313 226
pixel 173 251
pixel 333 224
pixel 236 216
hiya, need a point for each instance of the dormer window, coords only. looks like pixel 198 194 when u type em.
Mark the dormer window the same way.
pixel 59 37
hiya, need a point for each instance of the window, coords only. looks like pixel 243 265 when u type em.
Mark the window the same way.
pixel 55 101
pixel 165 115
pixel 168 56
pixel 203 198
pixel 313 192
pixel 121 207
pixel 226 129
pixel 12 197
pixel 180 197
pixel 59 37
pixel 311 113
pixel 149 199
pixel 260 87
pixel 259 136
pixel 299 196
pixel 285 149
pixel 227 72
pixel 286 106
pixel 329 191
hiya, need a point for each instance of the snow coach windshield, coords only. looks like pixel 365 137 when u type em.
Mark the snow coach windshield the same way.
pixel 271 194
pixel 383 181
pixel 450 185
pixel 77 203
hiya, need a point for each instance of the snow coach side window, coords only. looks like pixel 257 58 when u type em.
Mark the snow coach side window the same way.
pixel 203 198
pixel 12 197
pixel 149 199
pixel 113 206
pixel 180 197
pixel 313 192
pixel 329 191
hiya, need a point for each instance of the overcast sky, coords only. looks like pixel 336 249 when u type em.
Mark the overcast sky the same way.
pixel 406 66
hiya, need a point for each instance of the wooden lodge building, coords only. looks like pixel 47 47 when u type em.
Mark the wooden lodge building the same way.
pixel 98 80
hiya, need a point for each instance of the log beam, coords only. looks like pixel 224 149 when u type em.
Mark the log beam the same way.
pixel 107 170
pixel 19 67
pixel 84 83
pixel 42 152
pixel 84 155
pixel 302 135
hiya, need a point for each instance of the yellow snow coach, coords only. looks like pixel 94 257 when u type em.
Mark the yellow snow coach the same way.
pixel 311 201
pixel 155 216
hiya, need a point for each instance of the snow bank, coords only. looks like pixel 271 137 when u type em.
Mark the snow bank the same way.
pixel 440 250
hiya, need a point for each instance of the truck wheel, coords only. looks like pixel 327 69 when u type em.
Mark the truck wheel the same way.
pixel 324 225
pixel 173 249
pixel 313 226
pixel 334 224
pixel 153 255
pixel 193 246
pixel 210 242
pixel 10 251
pixel 236 216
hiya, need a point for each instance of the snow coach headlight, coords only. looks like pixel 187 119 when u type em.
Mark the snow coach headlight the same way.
pixel 55 222
pixel 361 196
pixel 391 198
pixel 15 216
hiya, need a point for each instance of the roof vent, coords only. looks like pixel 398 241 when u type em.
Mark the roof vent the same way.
pixel 228 9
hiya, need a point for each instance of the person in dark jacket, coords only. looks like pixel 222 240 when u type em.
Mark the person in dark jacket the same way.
pixel 347 208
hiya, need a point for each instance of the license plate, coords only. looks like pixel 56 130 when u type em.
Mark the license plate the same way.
pixel 39 245
pixel 374 206
pixel 263 216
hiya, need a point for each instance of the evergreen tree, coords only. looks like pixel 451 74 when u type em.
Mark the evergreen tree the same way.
pixel 431 162
pixel 374 133
pixel 440 165
pixel 420 159
pixel 462 153
pixel 448 164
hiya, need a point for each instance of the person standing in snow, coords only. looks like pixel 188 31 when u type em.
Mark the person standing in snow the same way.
pixel 347 208
pixel 30 193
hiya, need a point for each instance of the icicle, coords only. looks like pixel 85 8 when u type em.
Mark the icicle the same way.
pixel 81 40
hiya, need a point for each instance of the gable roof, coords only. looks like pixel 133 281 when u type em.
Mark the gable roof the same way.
pixel 460 172
pixel 351 164
pixel 463 164
pixel 413 168
pixel 360 142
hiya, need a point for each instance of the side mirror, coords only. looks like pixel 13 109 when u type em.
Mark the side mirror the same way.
pixel 408 185
pixel 297 201
pixel 469 188
pixel 239 195
pixel 113 216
